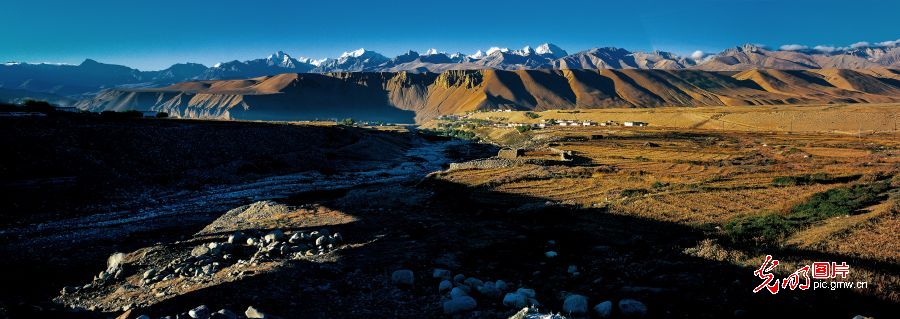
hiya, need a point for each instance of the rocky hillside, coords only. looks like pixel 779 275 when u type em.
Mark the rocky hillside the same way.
pixel 407 96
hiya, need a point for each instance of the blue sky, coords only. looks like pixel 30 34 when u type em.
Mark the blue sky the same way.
pixel 152 35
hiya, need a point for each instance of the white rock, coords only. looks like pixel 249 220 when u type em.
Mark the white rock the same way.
pixel 403 277
pixel 252 313
pixel 515 300
pixel 575 305
pixel 603 309
pixel 224 314
pixel 459 305
pixel 632 308
pixel 199 312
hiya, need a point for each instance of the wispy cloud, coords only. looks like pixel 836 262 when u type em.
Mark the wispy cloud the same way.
pixel 826 48
pixel 793 47
pixel 888 43
pixel 860 44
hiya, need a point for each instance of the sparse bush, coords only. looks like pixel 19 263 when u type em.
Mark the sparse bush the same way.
pixel 523 129
pixel 634 192
pixel 532 115
pixel 811 179
pixel 347 122
pixel 162 115
pixel 658 184
pixel 769 228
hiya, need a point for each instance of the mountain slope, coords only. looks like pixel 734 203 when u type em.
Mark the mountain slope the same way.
pixel 404 96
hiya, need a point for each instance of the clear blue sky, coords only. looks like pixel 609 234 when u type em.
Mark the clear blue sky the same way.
pixel 155 34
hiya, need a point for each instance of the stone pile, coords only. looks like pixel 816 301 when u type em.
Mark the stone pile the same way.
pixel 207 259
pixel 204 312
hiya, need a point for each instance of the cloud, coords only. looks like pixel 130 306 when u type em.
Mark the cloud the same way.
pixel 793 47
pixel 861 44
pixel 697 55
pixel 826 48
pixel 888 43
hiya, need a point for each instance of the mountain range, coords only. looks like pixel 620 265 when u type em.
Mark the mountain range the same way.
pixel 408 96
pixel 90 77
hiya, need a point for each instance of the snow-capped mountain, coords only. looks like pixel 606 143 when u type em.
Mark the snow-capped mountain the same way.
pixel 278 62
pixel 91 76
pixel 353 61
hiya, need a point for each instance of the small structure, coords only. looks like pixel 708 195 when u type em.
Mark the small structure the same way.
pixel 510 153
pixel 149 113
pixel 635 123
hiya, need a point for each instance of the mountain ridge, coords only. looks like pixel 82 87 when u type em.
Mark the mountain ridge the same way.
pixel 407 96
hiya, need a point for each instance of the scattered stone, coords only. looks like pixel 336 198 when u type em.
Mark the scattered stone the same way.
pixel 515 300
pixel 444 286
pixel 253 313
pixel 603 309
pixel 500 284
pixel 458 292
pixel 489 290
pixel 459 278
pixel 273 236
pixel 201 311
pixel 199 251
pixel 459 305
pixel 527 292
pixel 236 238
pixel 403 278
pixel 473 282
pixel 223 314
pixel 441 274
pixel 575 305
pixel 550 254
pixel 632 308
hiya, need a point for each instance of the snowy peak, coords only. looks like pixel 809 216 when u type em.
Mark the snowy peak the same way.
pixel 551 50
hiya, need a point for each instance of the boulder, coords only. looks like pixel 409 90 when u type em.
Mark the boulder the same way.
pixel 253 313
pixel 527 292
pixel 445 285
pixel 473 282
pixel 403 278
pixel 200 251
pixel 273 236
pixel 603 309
pixel 223 314
pixel 459 278
pixel 489 290
pixel 550 254
pixel 201 311
pixel 515 300
pixel 576 305
pixel 236 238
pixel 500 284
pixel 458 292
pixel 459 305
pixel 441 274
pixel 632 308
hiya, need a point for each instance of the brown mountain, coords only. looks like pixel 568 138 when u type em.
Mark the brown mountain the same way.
pixel 404 96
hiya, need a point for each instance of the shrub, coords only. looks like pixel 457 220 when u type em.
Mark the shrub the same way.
pixel 162 114
pixel 768 229
pixel 523 129
pixel 532 115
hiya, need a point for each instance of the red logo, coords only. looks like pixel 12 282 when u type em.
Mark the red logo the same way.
pixel 799 279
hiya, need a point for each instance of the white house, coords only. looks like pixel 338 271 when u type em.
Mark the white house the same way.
pixel 634 123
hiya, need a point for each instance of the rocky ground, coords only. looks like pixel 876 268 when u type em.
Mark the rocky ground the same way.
pixel 383 240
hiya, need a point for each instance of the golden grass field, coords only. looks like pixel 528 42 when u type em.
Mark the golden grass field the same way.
pixel 685 169
pixel 837 118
